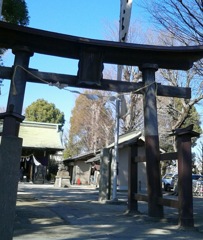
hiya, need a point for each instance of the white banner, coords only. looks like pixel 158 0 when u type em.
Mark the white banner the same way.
pixel 36 162
pixel 125 14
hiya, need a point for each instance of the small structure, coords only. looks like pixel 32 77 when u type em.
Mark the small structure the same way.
pixel 40 142
pixel 62 177
pixel 85 168
pixel 126 143
pixel 79 170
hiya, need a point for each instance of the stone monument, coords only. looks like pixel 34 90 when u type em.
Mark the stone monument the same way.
pixel 62 177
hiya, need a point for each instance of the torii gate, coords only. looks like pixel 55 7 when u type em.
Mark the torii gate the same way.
pixel 92 54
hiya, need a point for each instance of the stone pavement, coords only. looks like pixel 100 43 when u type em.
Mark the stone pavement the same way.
pixel 44 212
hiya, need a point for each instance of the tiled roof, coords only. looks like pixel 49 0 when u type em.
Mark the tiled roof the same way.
pixel 128 138
pixel 82 156
pixel 125 139
pixel 41 135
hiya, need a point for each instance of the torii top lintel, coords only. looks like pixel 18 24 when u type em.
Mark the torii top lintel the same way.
pixel 51 43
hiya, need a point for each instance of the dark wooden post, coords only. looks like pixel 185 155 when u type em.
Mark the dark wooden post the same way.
pixel 90 67
pixel 152 141
pixel 185 197
pixel 17 88
pixel 11 145
pixel 132 180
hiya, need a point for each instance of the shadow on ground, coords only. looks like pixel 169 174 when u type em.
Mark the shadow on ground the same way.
pixel 48 213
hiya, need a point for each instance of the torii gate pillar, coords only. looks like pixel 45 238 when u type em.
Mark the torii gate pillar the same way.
pixel 18 84
pixel 185 196
pixel 152 141
pixel 11 144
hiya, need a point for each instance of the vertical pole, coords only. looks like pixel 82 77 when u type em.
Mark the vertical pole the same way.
pixel 132 179
pixel 116 155
pixel 104 176
pixel 31 170
pixel 17 89
pixel 152 141
pixel 185 196
pixel 124 22
pixel 10 158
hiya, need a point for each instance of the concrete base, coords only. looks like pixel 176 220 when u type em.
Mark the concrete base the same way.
pixel 62 182
pixel 10 154
pixel 62 179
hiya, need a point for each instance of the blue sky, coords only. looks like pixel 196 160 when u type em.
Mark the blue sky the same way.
pixel 86 18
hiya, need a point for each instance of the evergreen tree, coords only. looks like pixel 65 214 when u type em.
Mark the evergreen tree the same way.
pixel 42 111
pixel 15 11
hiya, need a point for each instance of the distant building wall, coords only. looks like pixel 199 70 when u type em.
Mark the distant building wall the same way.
pixel 82 173
pixel 142 176
pixel 124 155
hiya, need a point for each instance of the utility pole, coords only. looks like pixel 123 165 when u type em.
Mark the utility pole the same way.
pixel 115 159
pixel 124 22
